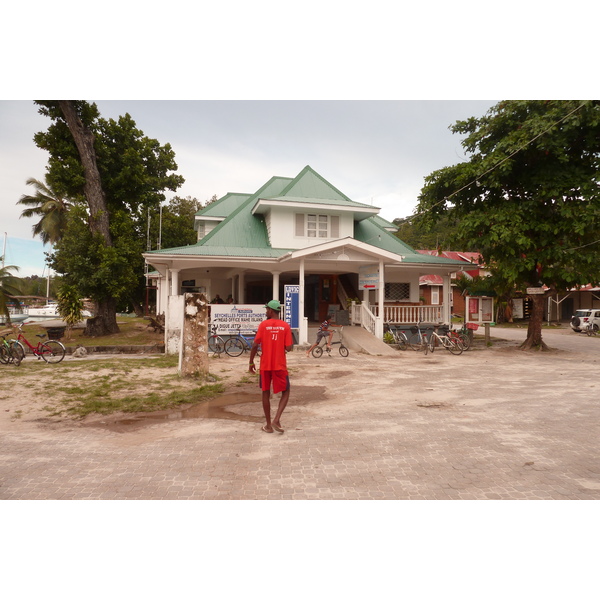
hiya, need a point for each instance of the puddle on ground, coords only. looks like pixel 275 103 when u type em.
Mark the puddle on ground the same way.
pixel 223 407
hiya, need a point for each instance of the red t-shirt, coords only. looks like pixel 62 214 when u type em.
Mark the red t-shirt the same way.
pixel 273 335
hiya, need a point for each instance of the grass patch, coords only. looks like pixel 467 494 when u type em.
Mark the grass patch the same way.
pixel 102 400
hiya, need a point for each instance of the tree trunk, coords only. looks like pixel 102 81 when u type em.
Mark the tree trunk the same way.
pixel 534 331
pixel 105 321
pixel 94 194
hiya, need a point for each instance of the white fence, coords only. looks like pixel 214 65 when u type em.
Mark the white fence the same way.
pixel 365 315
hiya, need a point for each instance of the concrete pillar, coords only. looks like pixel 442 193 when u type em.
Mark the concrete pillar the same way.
pixel 193 350
pixel 241 289
pixel 275 285
pixel 447 299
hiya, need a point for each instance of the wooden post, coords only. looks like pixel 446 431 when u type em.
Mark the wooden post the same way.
pixel 193 352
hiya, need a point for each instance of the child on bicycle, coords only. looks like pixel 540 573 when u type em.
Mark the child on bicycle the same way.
pixel 324 331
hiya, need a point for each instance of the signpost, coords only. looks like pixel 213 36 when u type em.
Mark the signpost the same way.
pixel 292 305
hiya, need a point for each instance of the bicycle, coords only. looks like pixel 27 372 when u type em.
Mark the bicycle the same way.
pixel 400 338
pixel 592 329
pixel 418 339
pixel 52 351
pixel 8 354
pixel 216 343
pixel 462 335
pixel 240 343
pixel 451 344
pixel 317 351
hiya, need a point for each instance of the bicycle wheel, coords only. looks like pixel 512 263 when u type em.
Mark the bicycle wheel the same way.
pixel 415 342
pixel 234 346
pixel 52 351
pixel 216 344
pixel 3 354
pixel 15 357
pixel 18 350
pixel 453 346
pixel 317 351
pixel 465 340
pixel 402 341
pixel 344 351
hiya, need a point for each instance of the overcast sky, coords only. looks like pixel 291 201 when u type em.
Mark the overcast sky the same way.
pixel 377 152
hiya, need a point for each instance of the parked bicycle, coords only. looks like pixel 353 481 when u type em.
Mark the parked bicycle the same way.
pixel 317 351
pixel 461 335
pixel 453 345
pixel 52 351
pixel 592 329
pixel 418 338
pixel 216 343
pixel 399 337
pixel 240 343
pixel 8 354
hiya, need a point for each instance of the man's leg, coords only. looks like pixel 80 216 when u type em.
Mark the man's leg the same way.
pixel 266 402
pixel 285 396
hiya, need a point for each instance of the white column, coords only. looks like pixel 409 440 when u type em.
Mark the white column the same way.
pixel 380 301
pixel 241 289
pixel 275 285
pixel 447 302
pixel 175 282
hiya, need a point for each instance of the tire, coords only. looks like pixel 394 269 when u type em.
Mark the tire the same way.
pixel 344 351
pixel 52 351
pixel 234 346
pixel 454 347
pixel 18 350
pixel 415 342
pixel 3 354
pixel 216 344
pixel 575 322
pixel 15 357
pixel 317 351
pixel 465 339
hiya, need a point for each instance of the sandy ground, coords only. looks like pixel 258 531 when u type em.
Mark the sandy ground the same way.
pixel 481 376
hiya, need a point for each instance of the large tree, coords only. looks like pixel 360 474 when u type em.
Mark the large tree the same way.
pixel 115 174
pixel 528 198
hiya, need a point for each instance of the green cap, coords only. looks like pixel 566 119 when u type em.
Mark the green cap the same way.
pixel 274 305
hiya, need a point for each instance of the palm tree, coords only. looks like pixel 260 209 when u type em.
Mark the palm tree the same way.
pixel 9 286
pixel 50 206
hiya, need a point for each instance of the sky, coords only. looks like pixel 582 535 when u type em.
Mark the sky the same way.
pixel 374 151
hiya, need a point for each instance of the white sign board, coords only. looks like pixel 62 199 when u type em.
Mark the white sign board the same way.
pixel 231 318
pixel 537 290
pixel 368 277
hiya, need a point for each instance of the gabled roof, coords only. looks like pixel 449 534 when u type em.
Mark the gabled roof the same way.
pixel 243 233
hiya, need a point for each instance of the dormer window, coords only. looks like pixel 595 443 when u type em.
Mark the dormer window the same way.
pixel 317 226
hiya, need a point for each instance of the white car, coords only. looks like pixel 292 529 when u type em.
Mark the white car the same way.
pixel 584 317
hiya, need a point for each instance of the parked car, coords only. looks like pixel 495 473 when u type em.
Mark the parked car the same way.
pixel 584 317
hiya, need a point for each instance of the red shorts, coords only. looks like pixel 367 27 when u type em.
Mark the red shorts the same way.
pixel 279 379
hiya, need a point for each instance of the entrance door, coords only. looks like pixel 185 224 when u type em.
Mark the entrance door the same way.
pixel 327 294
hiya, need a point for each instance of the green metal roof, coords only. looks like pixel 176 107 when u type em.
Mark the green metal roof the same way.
pixel 243 234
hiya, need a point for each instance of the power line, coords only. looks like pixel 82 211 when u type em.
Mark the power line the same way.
pixel 446 198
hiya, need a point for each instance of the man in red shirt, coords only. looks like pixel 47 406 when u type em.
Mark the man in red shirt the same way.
pixel 274 337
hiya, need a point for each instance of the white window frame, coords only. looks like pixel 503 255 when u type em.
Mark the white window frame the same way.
pixel 317 226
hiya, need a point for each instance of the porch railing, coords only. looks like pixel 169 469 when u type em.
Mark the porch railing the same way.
pixel 395 314
pixel 410 314
pixel 367 318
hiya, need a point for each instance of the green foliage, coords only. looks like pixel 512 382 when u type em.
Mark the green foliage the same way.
pixel 426 234
pixel 135 170
pixel 528 199
pixel 50 207
pixel 9 286
pixel 70 305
